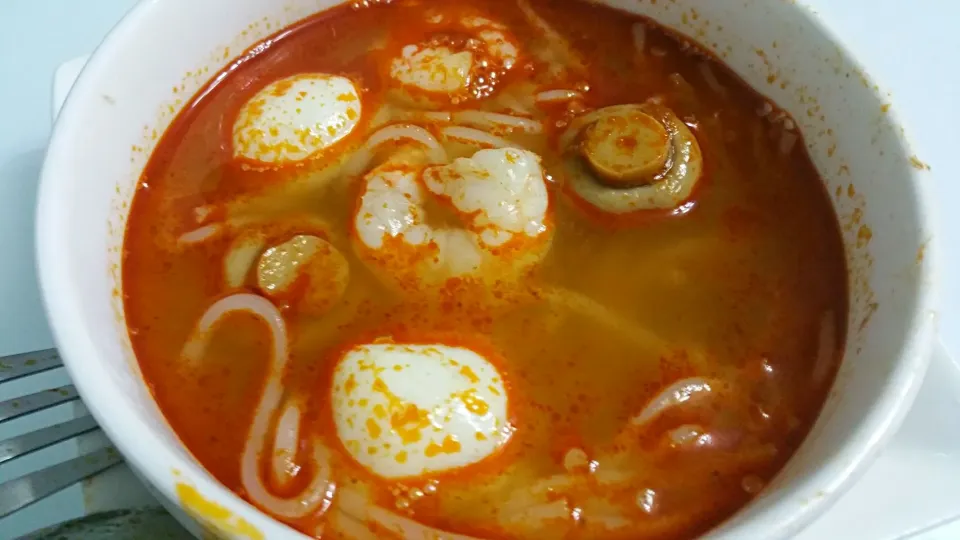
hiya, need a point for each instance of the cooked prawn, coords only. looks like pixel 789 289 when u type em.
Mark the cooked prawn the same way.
pixel 499 210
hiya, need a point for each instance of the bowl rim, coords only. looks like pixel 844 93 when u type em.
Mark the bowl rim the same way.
pixel 139 443
pixel 880 421
pixel 156 459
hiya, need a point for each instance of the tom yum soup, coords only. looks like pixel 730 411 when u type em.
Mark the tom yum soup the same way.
pixel 510 270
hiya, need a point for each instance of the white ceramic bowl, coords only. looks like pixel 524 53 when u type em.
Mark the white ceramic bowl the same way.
pixel 125 97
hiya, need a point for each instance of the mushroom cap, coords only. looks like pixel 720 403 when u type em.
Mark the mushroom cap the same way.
pixel 609 169
pixel 627 149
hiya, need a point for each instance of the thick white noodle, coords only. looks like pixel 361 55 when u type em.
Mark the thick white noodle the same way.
pixel 679 392
pixel 196 345
pixel 355 504
pixel 320 491
pixel 595 311
pixel 286 438
pixel 554 96
pixel 826 345
pixel 240 258
pixel 711 78
pixel 513 103
pixel 199 234
pixel 346 526
pixel 476 137
pixel 687 434
pixel 496 121
pixel 566 57
pixel 359 162
pixel 414 115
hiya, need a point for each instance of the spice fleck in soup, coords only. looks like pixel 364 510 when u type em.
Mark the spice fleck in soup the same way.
pixel 515 269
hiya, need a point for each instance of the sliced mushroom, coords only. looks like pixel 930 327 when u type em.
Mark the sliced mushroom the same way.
pixel 628 158
pixel 307 259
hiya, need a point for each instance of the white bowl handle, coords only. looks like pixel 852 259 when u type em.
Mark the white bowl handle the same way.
pixel 63 81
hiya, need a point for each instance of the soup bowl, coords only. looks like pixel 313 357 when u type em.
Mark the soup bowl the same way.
pixel 163 52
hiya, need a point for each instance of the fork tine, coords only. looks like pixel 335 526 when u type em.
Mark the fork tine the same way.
pixel 21 445
pixel 13 408
pixel 23 491
pixel 26 490
pixel 20 365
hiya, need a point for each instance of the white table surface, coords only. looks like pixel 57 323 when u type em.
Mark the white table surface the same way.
pixel 908 50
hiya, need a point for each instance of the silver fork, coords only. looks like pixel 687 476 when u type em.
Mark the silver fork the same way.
pixel 27 489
